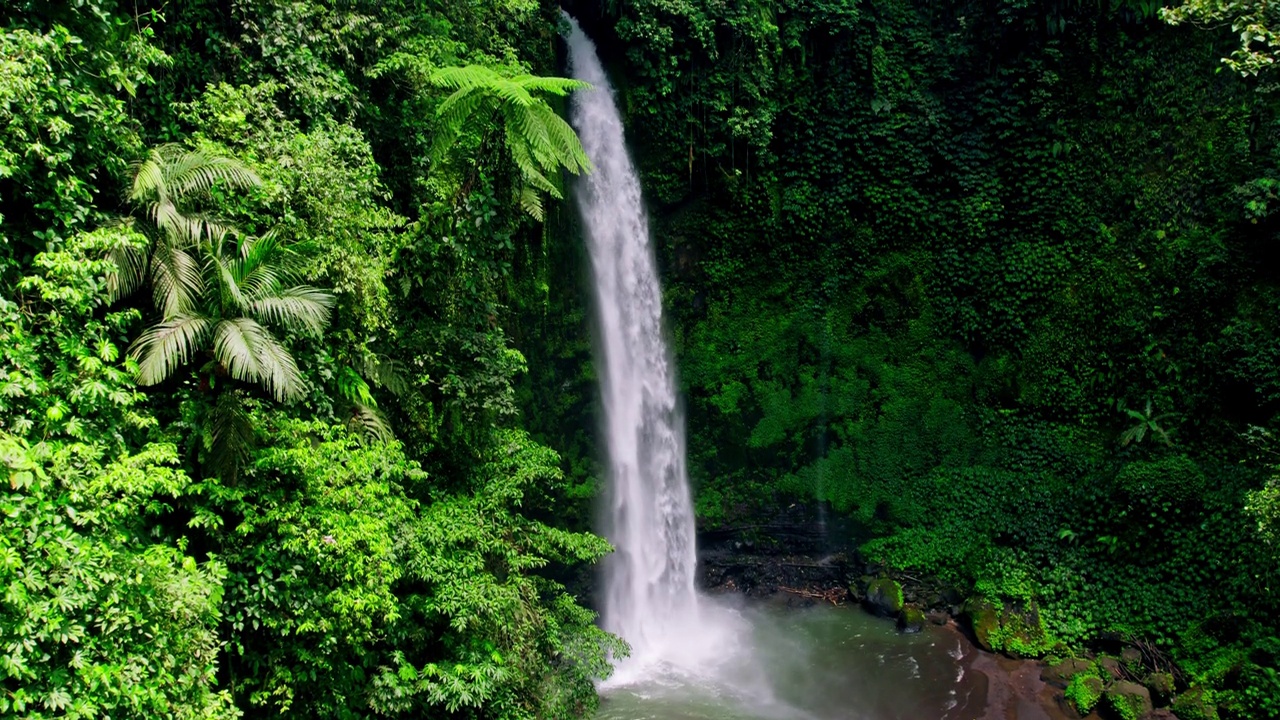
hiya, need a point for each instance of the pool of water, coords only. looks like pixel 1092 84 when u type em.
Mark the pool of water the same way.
pixel 819 663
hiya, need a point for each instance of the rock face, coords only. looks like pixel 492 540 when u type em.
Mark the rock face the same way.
pixel 884 597
pixel 1129 700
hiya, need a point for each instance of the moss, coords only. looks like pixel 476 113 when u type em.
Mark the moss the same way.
pixel 1083 692
pixel 1016 631
pixel 1195 704
pixel 885 596
pixel 911 620
pixel 1128 701
pixel 984 618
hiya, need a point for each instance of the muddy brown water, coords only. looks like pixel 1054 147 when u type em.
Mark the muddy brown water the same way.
pixel 836 663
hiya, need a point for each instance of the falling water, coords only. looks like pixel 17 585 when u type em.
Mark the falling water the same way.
pixel 649 593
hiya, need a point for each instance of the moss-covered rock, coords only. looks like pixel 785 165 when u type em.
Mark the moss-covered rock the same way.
pixel 1161 686
pixel 984 618
pixel 884 597
pixel 1083 692
pixel 911 619
pixel 1059 674
pixel 1016 630
pixel 1195 704
pixel 1020 632
pixel 1128 700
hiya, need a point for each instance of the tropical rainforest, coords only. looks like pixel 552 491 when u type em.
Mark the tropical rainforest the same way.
pixel 297 405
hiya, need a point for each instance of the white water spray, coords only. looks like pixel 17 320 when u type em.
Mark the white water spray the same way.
pixel 649 581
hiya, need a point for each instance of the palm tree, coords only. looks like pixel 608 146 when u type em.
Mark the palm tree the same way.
pixel 217 295
pixel 165 186
pixel 244 289
pixel 539 140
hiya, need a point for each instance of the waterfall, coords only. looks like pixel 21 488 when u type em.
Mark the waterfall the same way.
pixel 649 596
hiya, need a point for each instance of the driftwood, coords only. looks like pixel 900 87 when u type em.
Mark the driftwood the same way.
pixel 832 595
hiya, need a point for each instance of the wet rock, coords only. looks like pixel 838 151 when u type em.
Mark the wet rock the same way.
pixel 911 619
pixel 1060 674
pixel 1195 704
pixel 1128 700
pixel 984 619
pixel 1161 686
pixel 937 617
pixel 884 597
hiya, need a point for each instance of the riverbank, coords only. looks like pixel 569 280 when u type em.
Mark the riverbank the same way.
pixel 998 686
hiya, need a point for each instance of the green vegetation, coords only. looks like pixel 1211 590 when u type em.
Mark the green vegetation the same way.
pixel 296 397
pixel 1084 691
pixel 257 412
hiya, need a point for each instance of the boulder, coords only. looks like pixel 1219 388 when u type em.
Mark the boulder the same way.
pixel 1016 630
pixel 1161 686
pixel 1060 674
pixel 1111 666
pixel 1128 700
pixel 984 619
pixel 884 597
pixel 1083 692
pixel 937 617
pixel 911 619
pixel 1195 704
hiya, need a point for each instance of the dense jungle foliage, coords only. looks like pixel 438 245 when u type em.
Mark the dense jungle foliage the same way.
pixel 257 414
pixel 296 398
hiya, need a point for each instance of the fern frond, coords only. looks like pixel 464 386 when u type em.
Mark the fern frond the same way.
pixel 469 76
pixel 531 202
pixel 368 420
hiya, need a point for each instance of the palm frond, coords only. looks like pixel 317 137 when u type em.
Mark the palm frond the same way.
pixel 166 346
pixel 148 179
pixel 296 308
pixel 130 270
pixel 252 354
pixel 194 171
pixel 230 436
pixel 226 273
pixel 176 280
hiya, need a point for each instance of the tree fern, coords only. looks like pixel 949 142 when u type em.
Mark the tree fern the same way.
pixel 538 140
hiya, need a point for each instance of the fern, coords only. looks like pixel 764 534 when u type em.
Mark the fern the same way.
pixel 539 141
